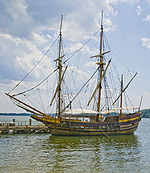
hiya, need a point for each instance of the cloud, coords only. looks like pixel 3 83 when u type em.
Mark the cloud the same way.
pixel 146 42
pixel 127 1
pixel 146 99
pixel 9 47
pixel 28 28
pixel 139 10
pixel 147 19
pixel 15 19
pixel 23 17
pixel 91 64
pixel 18 56
pixel 24 24
pixel 27 61
pixel 108 25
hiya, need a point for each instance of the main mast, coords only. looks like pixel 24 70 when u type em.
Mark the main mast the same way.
pixel 100 65
pixel 59 69
pixel 101 70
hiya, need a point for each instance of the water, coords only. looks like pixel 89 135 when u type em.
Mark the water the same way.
pixel 38 153
pixel 19 120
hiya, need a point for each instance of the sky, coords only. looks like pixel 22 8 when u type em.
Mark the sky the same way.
pixel 28 28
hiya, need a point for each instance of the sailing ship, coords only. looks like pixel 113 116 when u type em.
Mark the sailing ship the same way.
pixel 68 121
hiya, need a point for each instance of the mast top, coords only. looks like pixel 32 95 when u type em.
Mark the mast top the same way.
pixel 102 16
pixel 61 23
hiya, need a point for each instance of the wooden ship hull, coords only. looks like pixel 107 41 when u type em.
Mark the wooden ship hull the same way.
pixel 112 125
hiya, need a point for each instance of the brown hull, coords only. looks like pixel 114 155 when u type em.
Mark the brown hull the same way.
pixel 116 125
pixel 91 132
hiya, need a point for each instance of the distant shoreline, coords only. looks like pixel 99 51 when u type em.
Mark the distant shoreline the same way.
pixel 15 114
pixel 145 113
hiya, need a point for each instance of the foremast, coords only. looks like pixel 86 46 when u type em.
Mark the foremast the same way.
pixel 58 93
pixel 100 66
pixel 60 69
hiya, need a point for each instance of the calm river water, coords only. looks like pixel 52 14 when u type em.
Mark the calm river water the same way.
pixel 40 153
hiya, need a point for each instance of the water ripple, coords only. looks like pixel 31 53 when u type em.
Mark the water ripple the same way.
pixel 45 153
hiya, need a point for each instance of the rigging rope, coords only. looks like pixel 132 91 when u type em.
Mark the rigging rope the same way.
pixel 41 100
pixel 145 123
pixel 36 85
pixel 44 56
pixel 129 99
pixel 81 89
pixel 117 56
pixel 82 46
pixel 33 67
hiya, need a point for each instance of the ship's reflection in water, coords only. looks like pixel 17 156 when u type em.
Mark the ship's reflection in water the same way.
pixel 93 154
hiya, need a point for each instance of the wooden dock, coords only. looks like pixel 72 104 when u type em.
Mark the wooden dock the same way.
pixel 12 128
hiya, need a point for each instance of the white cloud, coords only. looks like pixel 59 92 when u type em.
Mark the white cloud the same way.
pixel 72 32
pixel 4 100
pixel 108 25
pixel 128 1
pixel 79 75
pixel 147 19
pixel 107 22
pixel 139 10
pixel 87 50
pixel 39 39
pixel 146 100
pixel 85 19
pixel 23 56
pixel 15 19
pixel 27 28
pixel 74 47
pixel 22 17
pixel 15 40
pixel 18 10
pixel 29 60
pixel 24 23
pixel 146 42
pixel 91 64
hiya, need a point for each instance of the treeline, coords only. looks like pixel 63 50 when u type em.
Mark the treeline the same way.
pixel 15 114
pixel 145 113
